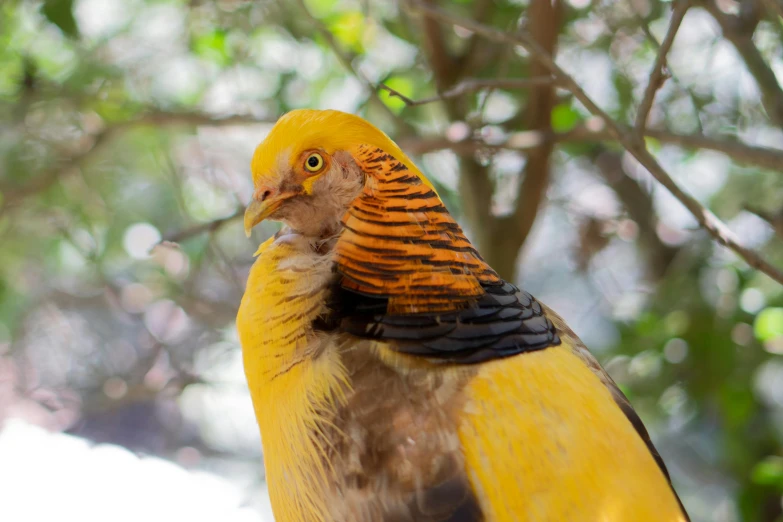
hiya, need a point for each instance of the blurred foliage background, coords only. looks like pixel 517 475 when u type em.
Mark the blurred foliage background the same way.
pixel 126 129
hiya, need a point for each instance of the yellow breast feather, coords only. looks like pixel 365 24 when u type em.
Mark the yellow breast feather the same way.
pixel 292 389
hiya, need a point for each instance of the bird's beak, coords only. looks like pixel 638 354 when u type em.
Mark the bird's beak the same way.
pixel 260 208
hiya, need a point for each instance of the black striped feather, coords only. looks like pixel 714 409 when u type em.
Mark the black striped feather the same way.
pixel 504 321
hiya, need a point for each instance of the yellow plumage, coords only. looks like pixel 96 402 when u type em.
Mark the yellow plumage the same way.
pixel 290 389
pixel 480 406
pixel 563 450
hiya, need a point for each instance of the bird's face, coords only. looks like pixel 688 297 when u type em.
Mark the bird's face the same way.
pixel 306 173
pixel 309 190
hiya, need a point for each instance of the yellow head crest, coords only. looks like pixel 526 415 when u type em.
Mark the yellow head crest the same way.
pixel 328 130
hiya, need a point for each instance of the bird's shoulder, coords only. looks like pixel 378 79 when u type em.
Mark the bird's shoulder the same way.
pixel 502 322
pixel 504 336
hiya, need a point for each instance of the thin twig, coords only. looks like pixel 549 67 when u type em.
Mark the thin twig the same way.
pixel 469 86
pixel 632 143
pixel 658 75
pixel 13 194
pixel 347 62
pixel 156 117
pixel 444 65
pixel 739 152
pixel 545 18
pixel 394 93
pixel 212 226
pixel 645 27
pixel 739 29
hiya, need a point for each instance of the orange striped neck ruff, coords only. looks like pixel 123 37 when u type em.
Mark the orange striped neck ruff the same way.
pixel 399 241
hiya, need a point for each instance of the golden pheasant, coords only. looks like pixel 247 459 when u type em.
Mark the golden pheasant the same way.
pixel 396 377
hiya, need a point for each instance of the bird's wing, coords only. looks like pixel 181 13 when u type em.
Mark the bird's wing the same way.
pixel 503 322
pixel 542 418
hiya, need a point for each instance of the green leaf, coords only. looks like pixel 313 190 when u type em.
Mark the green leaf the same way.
pixel 653 144
pixel 348 28
pixel 60 13
pixel 768 472
pixel 322 8
pixel 212 46
pixel 676 323
pixel 564 117
pixel 624 88
pixel 769 324
pixel 737 405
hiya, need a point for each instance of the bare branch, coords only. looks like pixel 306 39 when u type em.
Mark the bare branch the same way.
pixel 41 182
pixel 632 143
pixel 212 226
pixel 444 65
pixel 347 62
pixel 196 119
pixel 739 29
pixel 740 152
pixel 394 93
pixel 471 85
pixel 638 203
pixel 658 75
pixel 525 140
pixel 544 20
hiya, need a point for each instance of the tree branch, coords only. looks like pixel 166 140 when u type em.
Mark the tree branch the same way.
pixel 471 85
pixel 444 65
pixel 474 51
pixel 741 153
pixel 212 226
pixel 13 195
pixel 739 31
pixel 196 119
pixel 476 187
pixel 632 143
pixel 658 75
pixel 41 182
pixel 544 19
pixel 638 203
pixel 403 127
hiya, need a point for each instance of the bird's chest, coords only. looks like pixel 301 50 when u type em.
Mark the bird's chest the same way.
pixel 350 431
pixel 286 291
pixel 394 449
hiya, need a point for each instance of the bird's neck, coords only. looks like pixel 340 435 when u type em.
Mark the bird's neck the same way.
pixel 295 383
pixel 399 241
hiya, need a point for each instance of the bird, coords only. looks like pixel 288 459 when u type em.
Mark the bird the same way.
pixel 395 376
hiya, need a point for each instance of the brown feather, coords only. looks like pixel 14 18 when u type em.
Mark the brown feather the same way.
pixel 393 444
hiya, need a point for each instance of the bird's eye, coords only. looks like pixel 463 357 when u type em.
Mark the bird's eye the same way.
pixel 314 162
